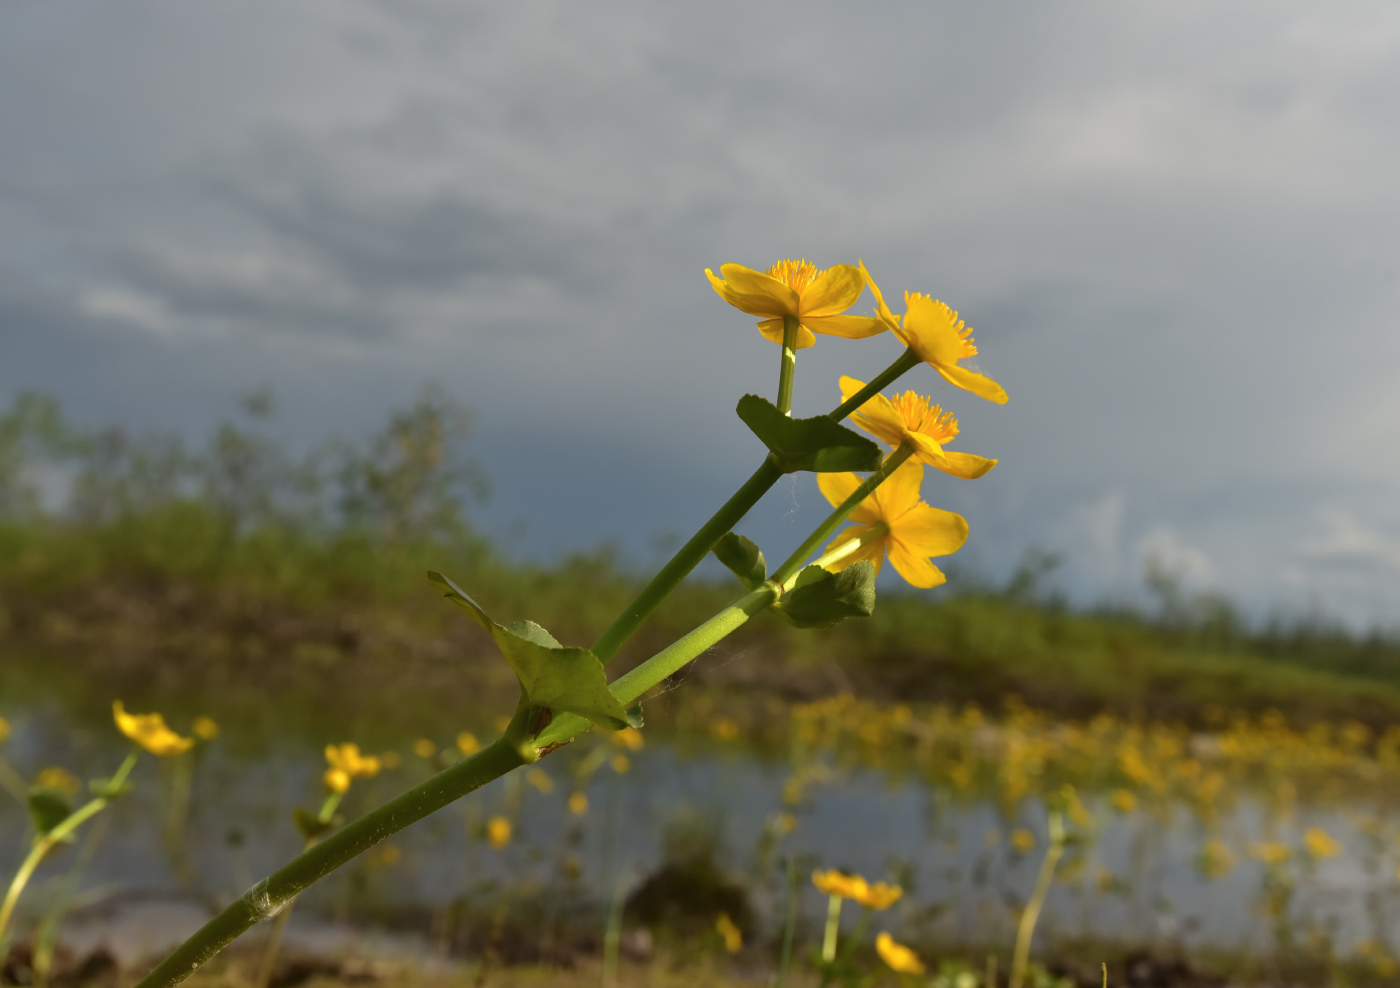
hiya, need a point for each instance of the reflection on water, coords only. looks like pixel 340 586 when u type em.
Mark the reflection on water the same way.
pixel 966 865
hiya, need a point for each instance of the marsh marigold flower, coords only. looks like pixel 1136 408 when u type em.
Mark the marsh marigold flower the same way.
pixel 899 957
pixel 912 418
pixel 798 289
pixel 346 763
pixel 205 728
pixel 857 889
pixel 896 522
pixel 498 832
pixel 150 732
pixel 939 337
pixel 1321 844
pixel 733 936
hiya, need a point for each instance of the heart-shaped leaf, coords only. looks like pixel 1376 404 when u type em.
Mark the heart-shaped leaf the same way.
pixel 817 444
pixel 744 559
pixel 562 679
pixel 820 598
pixel 310 825
pixel 47 808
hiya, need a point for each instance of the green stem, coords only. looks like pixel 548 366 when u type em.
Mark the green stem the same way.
pixel 723 521
pixel 789 923
pixel 269 896
pixel 274 939
pixel 791 325
pixel 836 518
pixel 46 842
pixel 833 924
pixel 1026 930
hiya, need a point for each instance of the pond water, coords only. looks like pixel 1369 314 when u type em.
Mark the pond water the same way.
pixel 1138 880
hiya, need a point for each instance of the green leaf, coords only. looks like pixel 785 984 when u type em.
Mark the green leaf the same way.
pixel 562 679
pixel 819 598
pixel 47 808
pixel 816 444
pixel 310 825
pixel 744 559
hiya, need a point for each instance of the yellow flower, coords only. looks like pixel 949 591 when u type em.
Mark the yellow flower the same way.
pixel 1272 853
pixel 934 332
pixel 1023 840
pixel 796 288
pixel 857 889
pixel 899 957
pixel 346 763
pixel 498 831
pixel 629 738
pixel 621 764
pixel 540 780
pixel 150 732
pixel 204 728
pixel 1216 859
pixel 424 748
pixel 911 418
pixel 1320 844
pixel 894 520
pixel 578 803
pixel 733 936
pixel 58 778
pixel 1123 800
pixel 467 744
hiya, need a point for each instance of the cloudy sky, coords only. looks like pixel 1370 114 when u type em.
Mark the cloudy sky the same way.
pixel 1174 227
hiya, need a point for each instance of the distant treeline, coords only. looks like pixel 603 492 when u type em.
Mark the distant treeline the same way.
pixel 238 552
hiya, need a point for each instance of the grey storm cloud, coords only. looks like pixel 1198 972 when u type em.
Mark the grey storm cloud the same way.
pixel 1174 227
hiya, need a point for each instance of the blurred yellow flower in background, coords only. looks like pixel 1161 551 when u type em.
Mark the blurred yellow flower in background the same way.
pixel 346 763
pixel 1023 840
pixel 1271 853
pixel 58 778
pixel 939 337
pixel 204 728
pixel 424 748
pixel 733 936
pixel 857 889
pixel 578 803
pixel 629 738
pixel 912 418
pixel 621 764
pixel 4 729
pixel 1320 844
pixel 540 780
pixel 1123 800
pixel 150 732
pixel 498 831
pixel 899 957
pixel 795 288
pixel 1216 860
pixel 897 522
pixel 467 744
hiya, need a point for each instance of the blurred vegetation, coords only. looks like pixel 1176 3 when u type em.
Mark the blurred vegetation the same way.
pixel 237 567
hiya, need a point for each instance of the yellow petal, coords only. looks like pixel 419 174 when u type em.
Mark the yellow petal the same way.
pixel 847 327
pixel 927 451
pixel 929 531
pixel 754 305
pixel 882 310
pixel 834 290
pixel 900 491
pixel 965 465
pixel 772 330
pixel 880 418
pixel 931 328
pixel 752 284
pixel 873 550
pixel 836 487
pixel 849 387
pixel 978 384
pixel 915 569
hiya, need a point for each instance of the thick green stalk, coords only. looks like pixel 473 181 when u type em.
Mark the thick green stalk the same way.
pixel 723 521
pixel 788 369
pixel 269 896
pixel 836 518
pixel 274 940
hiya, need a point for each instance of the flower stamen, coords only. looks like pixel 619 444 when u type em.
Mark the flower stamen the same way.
pixel 797 275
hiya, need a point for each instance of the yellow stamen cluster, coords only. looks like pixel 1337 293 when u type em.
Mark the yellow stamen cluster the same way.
pixel 346 763
pixel 797 275
pixel 920 415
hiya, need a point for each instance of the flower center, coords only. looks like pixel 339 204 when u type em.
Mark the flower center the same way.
pixel 797 275
pixel 920 416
